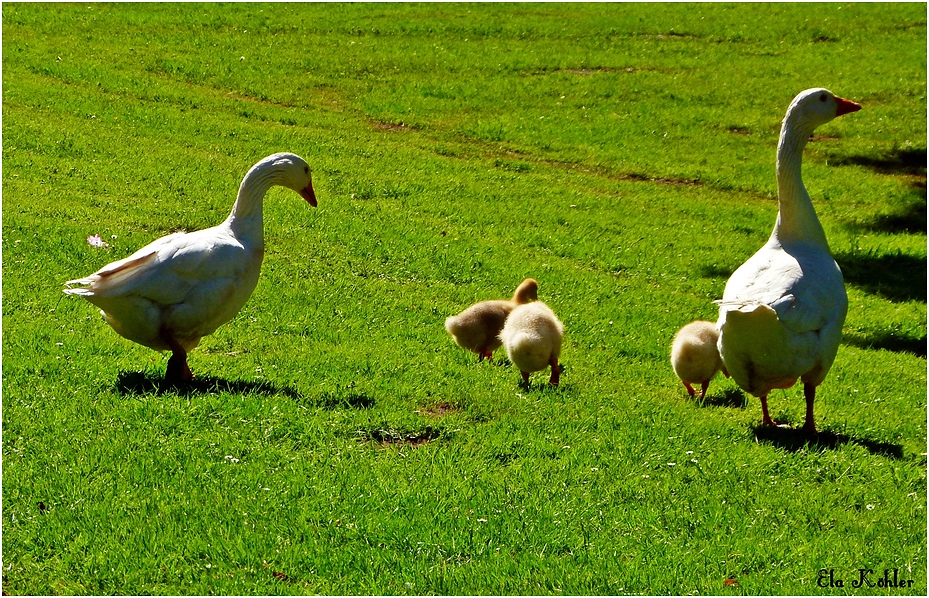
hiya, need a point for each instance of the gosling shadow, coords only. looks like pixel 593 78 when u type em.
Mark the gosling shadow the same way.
pixel 539 384
pixel 731 397
pixel 796 439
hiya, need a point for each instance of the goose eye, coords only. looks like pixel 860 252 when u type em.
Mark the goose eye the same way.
pixel 823 97
pixel 306 170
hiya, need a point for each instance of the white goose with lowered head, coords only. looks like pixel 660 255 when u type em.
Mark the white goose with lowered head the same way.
pixel 782 311
pixel 182 287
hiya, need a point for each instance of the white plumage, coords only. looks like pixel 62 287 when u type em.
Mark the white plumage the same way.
pixel 532 337
pixel 182 287
pixel 695 357
pixel 782 311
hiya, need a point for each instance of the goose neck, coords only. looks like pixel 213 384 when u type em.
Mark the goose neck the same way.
pixel 246 217
pixel 796 219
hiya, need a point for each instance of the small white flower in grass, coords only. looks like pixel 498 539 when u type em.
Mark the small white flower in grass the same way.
pixel 482 520
pixel 671 464
pixel 231 459
pixel 869 507
pixel 96 241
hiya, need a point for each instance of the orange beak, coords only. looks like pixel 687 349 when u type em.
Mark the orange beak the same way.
pixel 309 195
pixel 844 106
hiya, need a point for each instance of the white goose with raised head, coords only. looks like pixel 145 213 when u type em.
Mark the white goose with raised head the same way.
pixel 782 311
pixel 182 287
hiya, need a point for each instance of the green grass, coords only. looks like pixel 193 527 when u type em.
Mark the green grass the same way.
pixel 337 441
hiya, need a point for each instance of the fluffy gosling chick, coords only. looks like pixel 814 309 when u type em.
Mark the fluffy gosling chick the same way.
pixel 532 336
pixel 695 357
pixel 477 328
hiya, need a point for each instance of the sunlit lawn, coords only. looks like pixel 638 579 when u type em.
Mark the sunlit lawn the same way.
pixel 336 441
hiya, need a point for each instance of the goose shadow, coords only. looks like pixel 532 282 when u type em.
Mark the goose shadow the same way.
pixel 889 342
pixel 909 163
pixel 911 218
pixel 897 277
pixel 714 271
pixel 898 161
pixel 795 439
pixel 145 383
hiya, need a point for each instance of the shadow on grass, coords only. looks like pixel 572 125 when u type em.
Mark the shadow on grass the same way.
pixel 731 397
pixel 538 381
pixel 795 439
pixel 331 400
pixel 143 383
pixel 715 272
pixel 888 341
pixel 910 219
pixel 909 163
pixel 895 276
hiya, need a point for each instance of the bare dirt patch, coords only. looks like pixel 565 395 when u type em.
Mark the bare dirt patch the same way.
pixel 635 176
pixel 440 409
pixel 387 126
pixel 392 436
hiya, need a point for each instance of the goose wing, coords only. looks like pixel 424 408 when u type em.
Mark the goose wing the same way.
pixel 804 287
pixel 165 270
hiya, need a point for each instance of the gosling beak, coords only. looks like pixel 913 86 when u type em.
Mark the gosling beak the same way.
pixel 309 195
pixel 843 106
